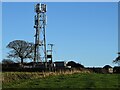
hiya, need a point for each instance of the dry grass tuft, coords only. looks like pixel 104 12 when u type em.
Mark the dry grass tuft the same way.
pixel 11 76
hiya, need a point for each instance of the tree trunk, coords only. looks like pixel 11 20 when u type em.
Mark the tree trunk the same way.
pixel 21 60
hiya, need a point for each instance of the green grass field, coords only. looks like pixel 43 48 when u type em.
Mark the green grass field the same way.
pixel 78 80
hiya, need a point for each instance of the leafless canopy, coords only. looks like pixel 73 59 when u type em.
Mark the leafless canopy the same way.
pixel 21 49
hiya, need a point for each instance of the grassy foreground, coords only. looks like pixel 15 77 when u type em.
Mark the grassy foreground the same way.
pixel 75 80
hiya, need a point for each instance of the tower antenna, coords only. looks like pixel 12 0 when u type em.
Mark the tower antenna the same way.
pixel 40 54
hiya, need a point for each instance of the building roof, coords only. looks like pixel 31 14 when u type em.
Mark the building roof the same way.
pixel 107 66
pixel 59 62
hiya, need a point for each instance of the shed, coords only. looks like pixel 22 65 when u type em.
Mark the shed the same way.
pixel 108 68
pixel 60 64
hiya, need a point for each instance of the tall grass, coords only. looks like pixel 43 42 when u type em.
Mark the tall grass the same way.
pixel 12 76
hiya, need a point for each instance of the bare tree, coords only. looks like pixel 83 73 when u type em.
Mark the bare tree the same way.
pixel 21 50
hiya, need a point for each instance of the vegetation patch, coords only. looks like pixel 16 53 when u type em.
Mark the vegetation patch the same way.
pixel 12 76
pixel 75 80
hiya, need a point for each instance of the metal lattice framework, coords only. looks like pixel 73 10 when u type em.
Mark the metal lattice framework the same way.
pixel 40 39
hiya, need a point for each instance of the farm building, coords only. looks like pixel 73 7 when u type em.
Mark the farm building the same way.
pixel 108 68
pixel 60 64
